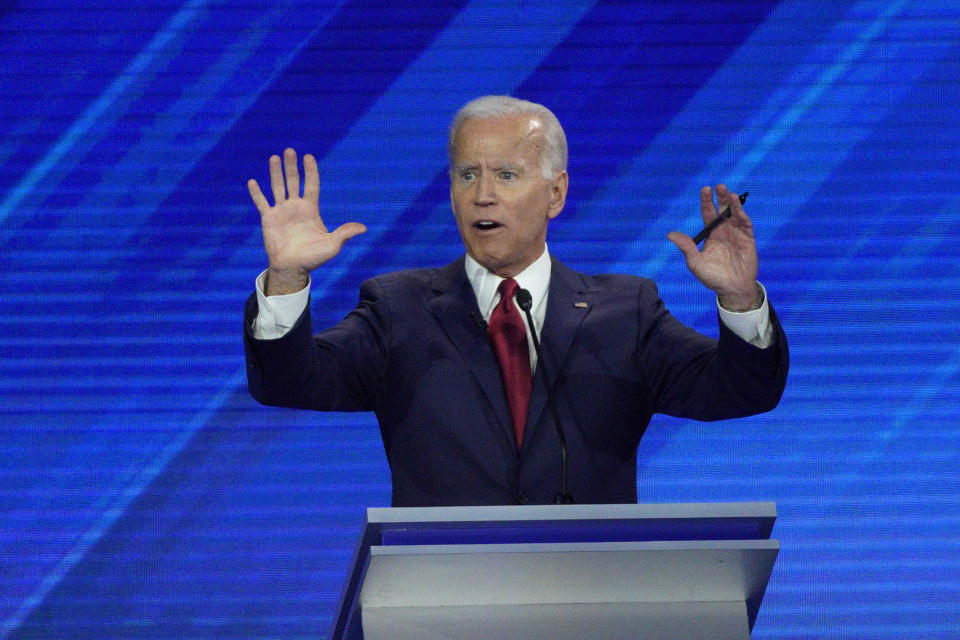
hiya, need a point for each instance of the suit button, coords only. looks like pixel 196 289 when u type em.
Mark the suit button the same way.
pixel 522 498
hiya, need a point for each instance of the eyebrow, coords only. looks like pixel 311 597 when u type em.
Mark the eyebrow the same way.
pixel 506 166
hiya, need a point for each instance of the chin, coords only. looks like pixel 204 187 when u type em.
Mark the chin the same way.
pixel 489 263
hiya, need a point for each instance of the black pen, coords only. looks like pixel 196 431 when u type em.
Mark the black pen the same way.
pixel 700 237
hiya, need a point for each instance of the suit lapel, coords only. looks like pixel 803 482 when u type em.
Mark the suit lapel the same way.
pixel 455 307
pixel 568 305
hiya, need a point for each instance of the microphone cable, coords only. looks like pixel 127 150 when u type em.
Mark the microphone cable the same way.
pixel 525 302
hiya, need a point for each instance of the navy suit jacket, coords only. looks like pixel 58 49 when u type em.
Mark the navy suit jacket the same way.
pixel 415 351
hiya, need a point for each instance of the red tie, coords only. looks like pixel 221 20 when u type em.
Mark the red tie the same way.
pixel 508 337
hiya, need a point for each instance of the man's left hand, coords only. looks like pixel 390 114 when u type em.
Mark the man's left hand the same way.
pixel 727 264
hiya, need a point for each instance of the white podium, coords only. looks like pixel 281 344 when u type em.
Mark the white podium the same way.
pixel 655 571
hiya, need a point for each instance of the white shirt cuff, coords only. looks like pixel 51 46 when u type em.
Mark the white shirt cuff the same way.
pixel 277 314
pixel 752 326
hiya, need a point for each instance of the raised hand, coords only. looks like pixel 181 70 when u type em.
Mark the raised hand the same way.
pixel 727 264
pixel 296 240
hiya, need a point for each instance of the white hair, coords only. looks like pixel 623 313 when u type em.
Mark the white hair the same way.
pixel 553 158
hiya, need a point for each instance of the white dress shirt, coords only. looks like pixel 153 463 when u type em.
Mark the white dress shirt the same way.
pixel 278 314
pixel 535 279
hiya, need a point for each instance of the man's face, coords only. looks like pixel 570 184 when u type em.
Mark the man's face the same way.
pixel 500 199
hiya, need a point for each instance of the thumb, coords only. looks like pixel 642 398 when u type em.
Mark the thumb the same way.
pixel 346 231
pixel 685 243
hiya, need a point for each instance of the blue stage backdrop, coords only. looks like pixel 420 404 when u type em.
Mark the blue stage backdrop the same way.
pixel 143 494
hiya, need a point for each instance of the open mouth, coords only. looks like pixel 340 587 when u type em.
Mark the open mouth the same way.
pixel 486 225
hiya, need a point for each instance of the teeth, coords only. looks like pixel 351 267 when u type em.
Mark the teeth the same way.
pixel 486 224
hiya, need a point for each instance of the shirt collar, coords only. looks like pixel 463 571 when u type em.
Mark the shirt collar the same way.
pixel 535 279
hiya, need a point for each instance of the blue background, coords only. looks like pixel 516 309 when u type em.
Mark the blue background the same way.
pixel 143 494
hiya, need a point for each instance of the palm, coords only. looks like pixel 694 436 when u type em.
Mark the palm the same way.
pixel 294 235
pixel 728 257
pixel 728 262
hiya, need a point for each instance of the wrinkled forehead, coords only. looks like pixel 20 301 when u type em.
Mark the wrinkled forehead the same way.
pixel 513 134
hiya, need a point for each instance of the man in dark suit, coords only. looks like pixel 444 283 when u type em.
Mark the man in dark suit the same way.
pixel 434 352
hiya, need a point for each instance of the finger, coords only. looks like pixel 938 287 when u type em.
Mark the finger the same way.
pixel 724 200
pixel 276 180
pixel 728 200
pixel 311 179
pixel 707 211
pixel 259 199
pixel 292 172
pixel 736 208
pixel 738 217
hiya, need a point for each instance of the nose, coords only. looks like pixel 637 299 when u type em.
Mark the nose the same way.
pixel 486 190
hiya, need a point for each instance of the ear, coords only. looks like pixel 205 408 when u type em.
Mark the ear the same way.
pixel 558 194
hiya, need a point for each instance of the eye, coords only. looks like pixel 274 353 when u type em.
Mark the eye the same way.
pixel 468 176
pixel 508 175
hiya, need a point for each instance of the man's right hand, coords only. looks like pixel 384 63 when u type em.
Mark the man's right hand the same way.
pixel 296 240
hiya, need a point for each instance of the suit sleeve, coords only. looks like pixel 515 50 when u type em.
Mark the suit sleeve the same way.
pixel 692 376
pixel 340 369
